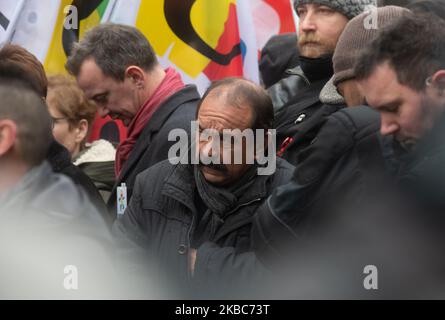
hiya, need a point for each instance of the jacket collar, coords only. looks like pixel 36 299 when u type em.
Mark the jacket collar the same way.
pixel 98 151
pixel 26 186
pixel 316 69
pixel 180 185
pixel 330 95
pixel 189 93
pixel 58 156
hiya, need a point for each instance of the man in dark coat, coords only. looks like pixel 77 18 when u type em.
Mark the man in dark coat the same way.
pixel 410 100
pixel 297 102
pixel 116 67
pixel 379 205
pixel 330 172
pixel 193 217
pixel 339 92
pixel 321 22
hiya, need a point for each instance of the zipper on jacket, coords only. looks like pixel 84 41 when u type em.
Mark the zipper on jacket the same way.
pixel 189 246
pixel 243 205
pixel 236 226
pixel 189 232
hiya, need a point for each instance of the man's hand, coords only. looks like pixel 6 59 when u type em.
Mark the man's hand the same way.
pixel 192 260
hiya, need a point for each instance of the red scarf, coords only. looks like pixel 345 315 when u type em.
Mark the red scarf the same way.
pixel 171 83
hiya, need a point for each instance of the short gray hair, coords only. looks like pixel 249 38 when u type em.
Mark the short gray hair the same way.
pixel 30 114
pixel 114 47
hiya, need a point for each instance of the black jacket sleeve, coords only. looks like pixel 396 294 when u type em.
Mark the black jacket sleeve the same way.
pixel 222 272
pixel 323 165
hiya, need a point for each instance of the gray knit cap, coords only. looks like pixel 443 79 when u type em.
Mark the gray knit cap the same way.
pixel 357 35
pixel 350 8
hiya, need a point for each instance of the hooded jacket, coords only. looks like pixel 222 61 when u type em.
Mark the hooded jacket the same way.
pixel 97 162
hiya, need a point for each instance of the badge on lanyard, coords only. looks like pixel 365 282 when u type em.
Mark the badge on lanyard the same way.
pixel 121 199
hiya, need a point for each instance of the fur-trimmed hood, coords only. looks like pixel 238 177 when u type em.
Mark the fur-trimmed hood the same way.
pixel 98 151
pixel 330 95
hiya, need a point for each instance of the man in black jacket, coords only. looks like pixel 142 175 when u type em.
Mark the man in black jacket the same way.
pixel 410 100
pixel 116 67
pixel 321 23
pixel 193 217
pixel 361 201
pixel 339 92
pixel 335 157
pixel 299 111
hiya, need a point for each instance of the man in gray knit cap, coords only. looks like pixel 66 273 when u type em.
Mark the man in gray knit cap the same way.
pixel 320 26
pixel 342 88
pixel 321 23
pixel 340 209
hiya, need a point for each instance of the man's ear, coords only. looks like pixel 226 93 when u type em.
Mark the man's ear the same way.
pixel 136 75
pixel 81 130
pixel 8 133
pixel 438 79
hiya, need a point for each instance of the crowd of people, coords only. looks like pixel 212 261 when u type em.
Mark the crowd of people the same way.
pixel 350 110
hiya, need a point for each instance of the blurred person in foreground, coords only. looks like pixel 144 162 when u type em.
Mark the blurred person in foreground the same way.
pixel 18 63
pixel 53 242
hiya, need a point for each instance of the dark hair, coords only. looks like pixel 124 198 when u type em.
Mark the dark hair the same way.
pixel 239 92
pixel 414 46
pixel 400 3
pixel 114 47
pixel 17 62
pixel 436 7
pixel 28 111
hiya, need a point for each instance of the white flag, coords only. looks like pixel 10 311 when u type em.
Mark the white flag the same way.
pixel 125 12
pixel 9 13
pixel 35 26
pixel 248 40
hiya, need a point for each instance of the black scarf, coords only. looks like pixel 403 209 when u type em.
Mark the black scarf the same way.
pixel 217 202
pixel 317 68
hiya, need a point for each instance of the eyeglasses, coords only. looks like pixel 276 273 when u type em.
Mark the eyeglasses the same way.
pixel 54 120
